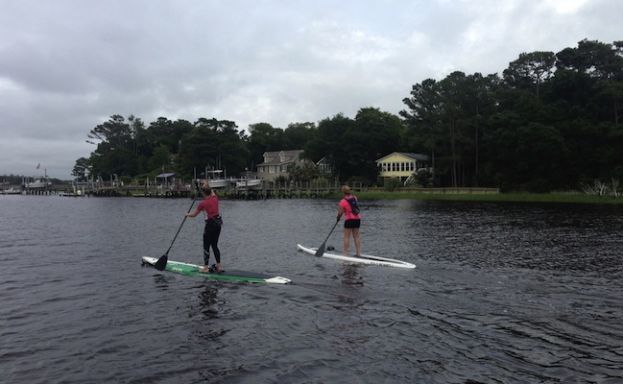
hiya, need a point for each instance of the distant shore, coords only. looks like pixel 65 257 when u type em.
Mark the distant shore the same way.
pixel 566 197
pixel 424 194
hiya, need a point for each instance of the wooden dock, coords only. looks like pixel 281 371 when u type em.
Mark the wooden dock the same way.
pixel 267 190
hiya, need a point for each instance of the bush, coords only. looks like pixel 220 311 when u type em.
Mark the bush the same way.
pixel 424 177
pixel 391 184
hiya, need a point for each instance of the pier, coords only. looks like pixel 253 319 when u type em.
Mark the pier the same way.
pixel 258 191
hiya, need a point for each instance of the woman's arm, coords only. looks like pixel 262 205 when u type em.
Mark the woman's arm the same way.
pixel 340 211
pixel 194 214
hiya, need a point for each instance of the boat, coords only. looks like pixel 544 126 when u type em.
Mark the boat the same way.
pixel 231 276
pixel 70 194
pixel 363 259
pixel 216 180
pixel 38 184
pixel 75 192
pixel 249 184
pixel 11 191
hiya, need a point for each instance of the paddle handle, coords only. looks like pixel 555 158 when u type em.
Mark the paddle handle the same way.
pixel 320 250
pixel 181 225
pixel 332 229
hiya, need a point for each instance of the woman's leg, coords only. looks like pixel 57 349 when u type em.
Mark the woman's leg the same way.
pixel 347 234
pixel 217 252
pixel 357 241
pixel 206 246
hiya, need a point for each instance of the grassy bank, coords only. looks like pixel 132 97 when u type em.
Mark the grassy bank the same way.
pixel 491 197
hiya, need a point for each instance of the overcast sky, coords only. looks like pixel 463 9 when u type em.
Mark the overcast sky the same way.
pixel 66 66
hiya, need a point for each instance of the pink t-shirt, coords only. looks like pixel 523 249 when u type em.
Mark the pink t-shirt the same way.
pixel 210 206
pixel 348 212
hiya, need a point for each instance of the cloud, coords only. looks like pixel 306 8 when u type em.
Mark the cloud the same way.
pixel 68 65
pixel 25 153
pixel 566 6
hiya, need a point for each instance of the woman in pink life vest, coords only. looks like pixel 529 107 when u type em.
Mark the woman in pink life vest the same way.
pixel 212 231
pixel 349 207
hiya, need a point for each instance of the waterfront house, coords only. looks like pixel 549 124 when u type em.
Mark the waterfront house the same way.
pixel 276 164
pixel 324 166
pixel 401 165
pixel 165 180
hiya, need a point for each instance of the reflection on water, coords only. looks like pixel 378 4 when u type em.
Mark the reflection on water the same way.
pixel 161 281
pixel 350 274
pixel 208 302
pixel 209 326
pixel 509 293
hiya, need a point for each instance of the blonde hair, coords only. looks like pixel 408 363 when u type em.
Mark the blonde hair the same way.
pixel 205 186
pixel 345 189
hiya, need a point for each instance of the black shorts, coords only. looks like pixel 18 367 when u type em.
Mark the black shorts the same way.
pixel 354 223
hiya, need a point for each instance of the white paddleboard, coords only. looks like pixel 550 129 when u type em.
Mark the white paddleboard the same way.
pixel 363 259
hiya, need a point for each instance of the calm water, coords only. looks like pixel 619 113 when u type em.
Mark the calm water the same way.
pixel 502 293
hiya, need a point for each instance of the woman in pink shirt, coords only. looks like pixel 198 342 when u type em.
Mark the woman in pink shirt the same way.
pixel 212 229
pixel 349 207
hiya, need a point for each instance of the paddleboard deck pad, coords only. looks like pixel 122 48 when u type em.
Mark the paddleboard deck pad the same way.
pixel 227 275
pixel 363 259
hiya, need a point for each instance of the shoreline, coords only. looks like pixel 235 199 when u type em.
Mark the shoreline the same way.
pixel 510 197
pixel 518 197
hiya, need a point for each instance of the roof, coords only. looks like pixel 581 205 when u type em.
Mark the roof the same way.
pixel 165 175
pixel 274 157
pixel 414 156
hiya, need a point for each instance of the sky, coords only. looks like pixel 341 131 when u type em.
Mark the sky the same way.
pixel 67 66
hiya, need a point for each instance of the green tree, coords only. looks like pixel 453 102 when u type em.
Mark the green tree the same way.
pixel 160 159
pixel 303 173
pixel 263 137
pixel 423 118
pixel 298 134
pixel 530 70
pixel 375 134
pixel 170 133
pixel 81 169
pixel 446 119
pixel 352 146
pixel 330 142
pixel 213 144
pixel 232 154
pixel 115 148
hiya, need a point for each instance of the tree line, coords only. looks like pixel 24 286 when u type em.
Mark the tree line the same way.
pixel 551 121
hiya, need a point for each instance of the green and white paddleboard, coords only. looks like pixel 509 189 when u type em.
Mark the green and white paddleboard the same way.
pixel 228 275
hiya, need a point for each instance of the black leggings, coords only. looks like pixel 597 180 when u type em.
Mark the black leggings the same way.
pixel 211 234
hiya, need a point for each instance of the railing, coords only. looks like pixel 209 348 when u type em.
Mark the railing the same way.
pixel 450 190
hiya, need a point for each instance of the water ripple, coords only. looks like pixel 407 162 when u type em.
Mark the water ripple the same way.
pixel 503 293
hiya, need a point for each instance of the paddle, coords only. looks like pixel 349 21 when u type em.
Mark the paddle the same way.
pixel 320 250
pixel 162 261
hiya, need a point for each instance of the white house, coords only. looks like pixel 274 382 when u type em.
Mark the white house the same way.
pixel 324 166
pixel 276 163
pixel 401 165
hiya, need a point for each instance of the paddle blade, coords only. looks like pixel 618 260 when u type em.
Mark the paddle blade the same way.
pixel 162 262
pixel 320 251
